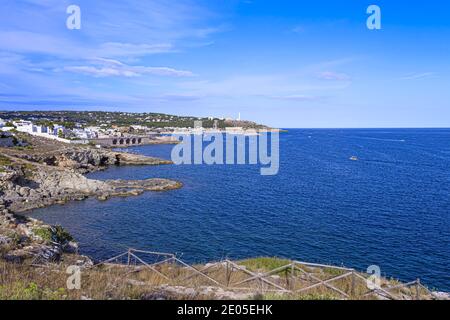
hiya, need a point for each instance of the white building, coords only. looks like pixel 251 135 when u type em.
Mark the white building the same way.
pixel 79 133
pixel 2 123
pixel 85 133
pixel 24 126
pixel 94 129
pixel 40 129
pixel 58 130
pixel 30 128
pixel 138 127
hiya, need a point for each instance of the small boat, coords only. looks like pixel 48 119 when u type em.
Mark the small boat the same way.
pixel 354 158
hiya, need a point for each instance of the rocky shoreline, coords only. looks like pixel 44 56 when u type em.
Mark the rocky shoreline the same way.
pixel 40 181
pixel 32 179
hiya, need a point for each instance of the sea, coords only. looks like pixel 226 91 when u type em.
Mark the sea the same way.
pixel 389 206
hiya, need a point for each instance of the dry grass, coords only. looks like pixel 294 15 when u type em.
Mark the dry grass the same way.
pixel 122 282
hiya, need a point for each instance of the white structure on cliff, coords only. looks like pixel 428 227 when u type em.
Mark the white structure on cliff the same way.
pixel 85 133
pixel 24 126
pixel 30 128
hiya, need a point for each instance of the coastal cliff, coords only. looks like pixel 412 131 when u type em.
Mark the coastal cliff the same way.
pixel 30 181
pixel 48 173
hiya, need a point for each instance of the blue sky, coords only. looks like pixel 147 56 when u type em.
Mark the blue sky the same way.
pixel 283 63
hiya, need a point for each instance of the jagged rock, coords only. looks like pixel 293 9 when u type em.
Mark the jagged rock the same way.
pixel 59 180
pixel 4 240
pixel 13 257
pixel 441 295
pixel 84 262
pixel 103 197
pixel 24 191
pixel 70 247
pixel 166 292
pixel 50 253
pixel 40 253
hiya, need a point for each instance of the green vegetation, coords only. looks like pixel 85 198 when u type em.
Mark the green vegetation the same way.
pixel 264 263
pixel 28 169
pixel 62 235
pixel 70 119
pixel 45 123
pixel 57 234
pixel 30 291
pixel 24 147
pixel 44 233
pixel 5 161
pixel 333 272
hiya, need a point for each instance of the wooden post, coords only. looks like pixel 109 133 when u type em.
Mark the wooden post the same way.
pixel 352 290
pixel 129 258
pixel 418 289
pixel 261 283
pixel 286 275
pixel 292 287
pixel 228 274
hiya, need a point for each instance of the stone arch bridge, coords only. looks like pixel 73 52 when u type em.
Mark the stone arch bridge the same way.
pixel 127 141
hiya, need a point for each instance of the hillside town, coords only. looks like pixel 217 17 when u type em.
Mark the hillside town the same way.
pixel 112 128
pixel 51 131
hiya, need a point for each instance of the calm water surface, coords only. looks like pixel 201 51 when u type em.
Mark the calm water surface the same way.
pixel 391 208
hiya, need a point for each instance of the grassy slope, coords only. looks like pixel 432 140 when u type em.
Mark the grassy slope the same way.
pixel 25 282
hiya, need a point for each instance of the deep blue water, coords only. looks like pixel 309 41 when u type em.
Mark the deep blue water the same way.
pixel 391 208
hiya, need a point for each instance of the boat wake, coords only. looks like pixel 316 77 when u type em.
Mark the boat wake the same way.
pixel 381 139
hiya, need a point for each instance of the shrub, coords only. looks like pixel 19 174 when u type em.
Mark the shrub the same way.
pixel 4 161
pixel 62 235
pixel 44 233
pixel 31 291
pixel 53 234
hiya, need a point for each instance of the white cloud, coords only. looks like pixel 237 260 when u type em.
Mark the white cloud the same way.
pixel 117 49
pixel 32 42
pixel 294 97
pixel 335 76
pixel 113 29
pixel 107 67
pixel 181 97
pixel 414 76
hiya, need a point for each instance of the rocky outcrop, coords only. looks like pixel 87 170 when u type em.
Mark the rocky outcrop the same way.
pixel 86 159
pixel 441 295
pixel 135 159
pixel 166 292
pixel 145 185
pixel 23 238
pixel 47 185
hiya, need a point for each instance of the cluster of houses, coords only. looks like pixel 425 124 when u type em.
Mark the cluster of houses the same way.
pixel 78 134
pixel 48 131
